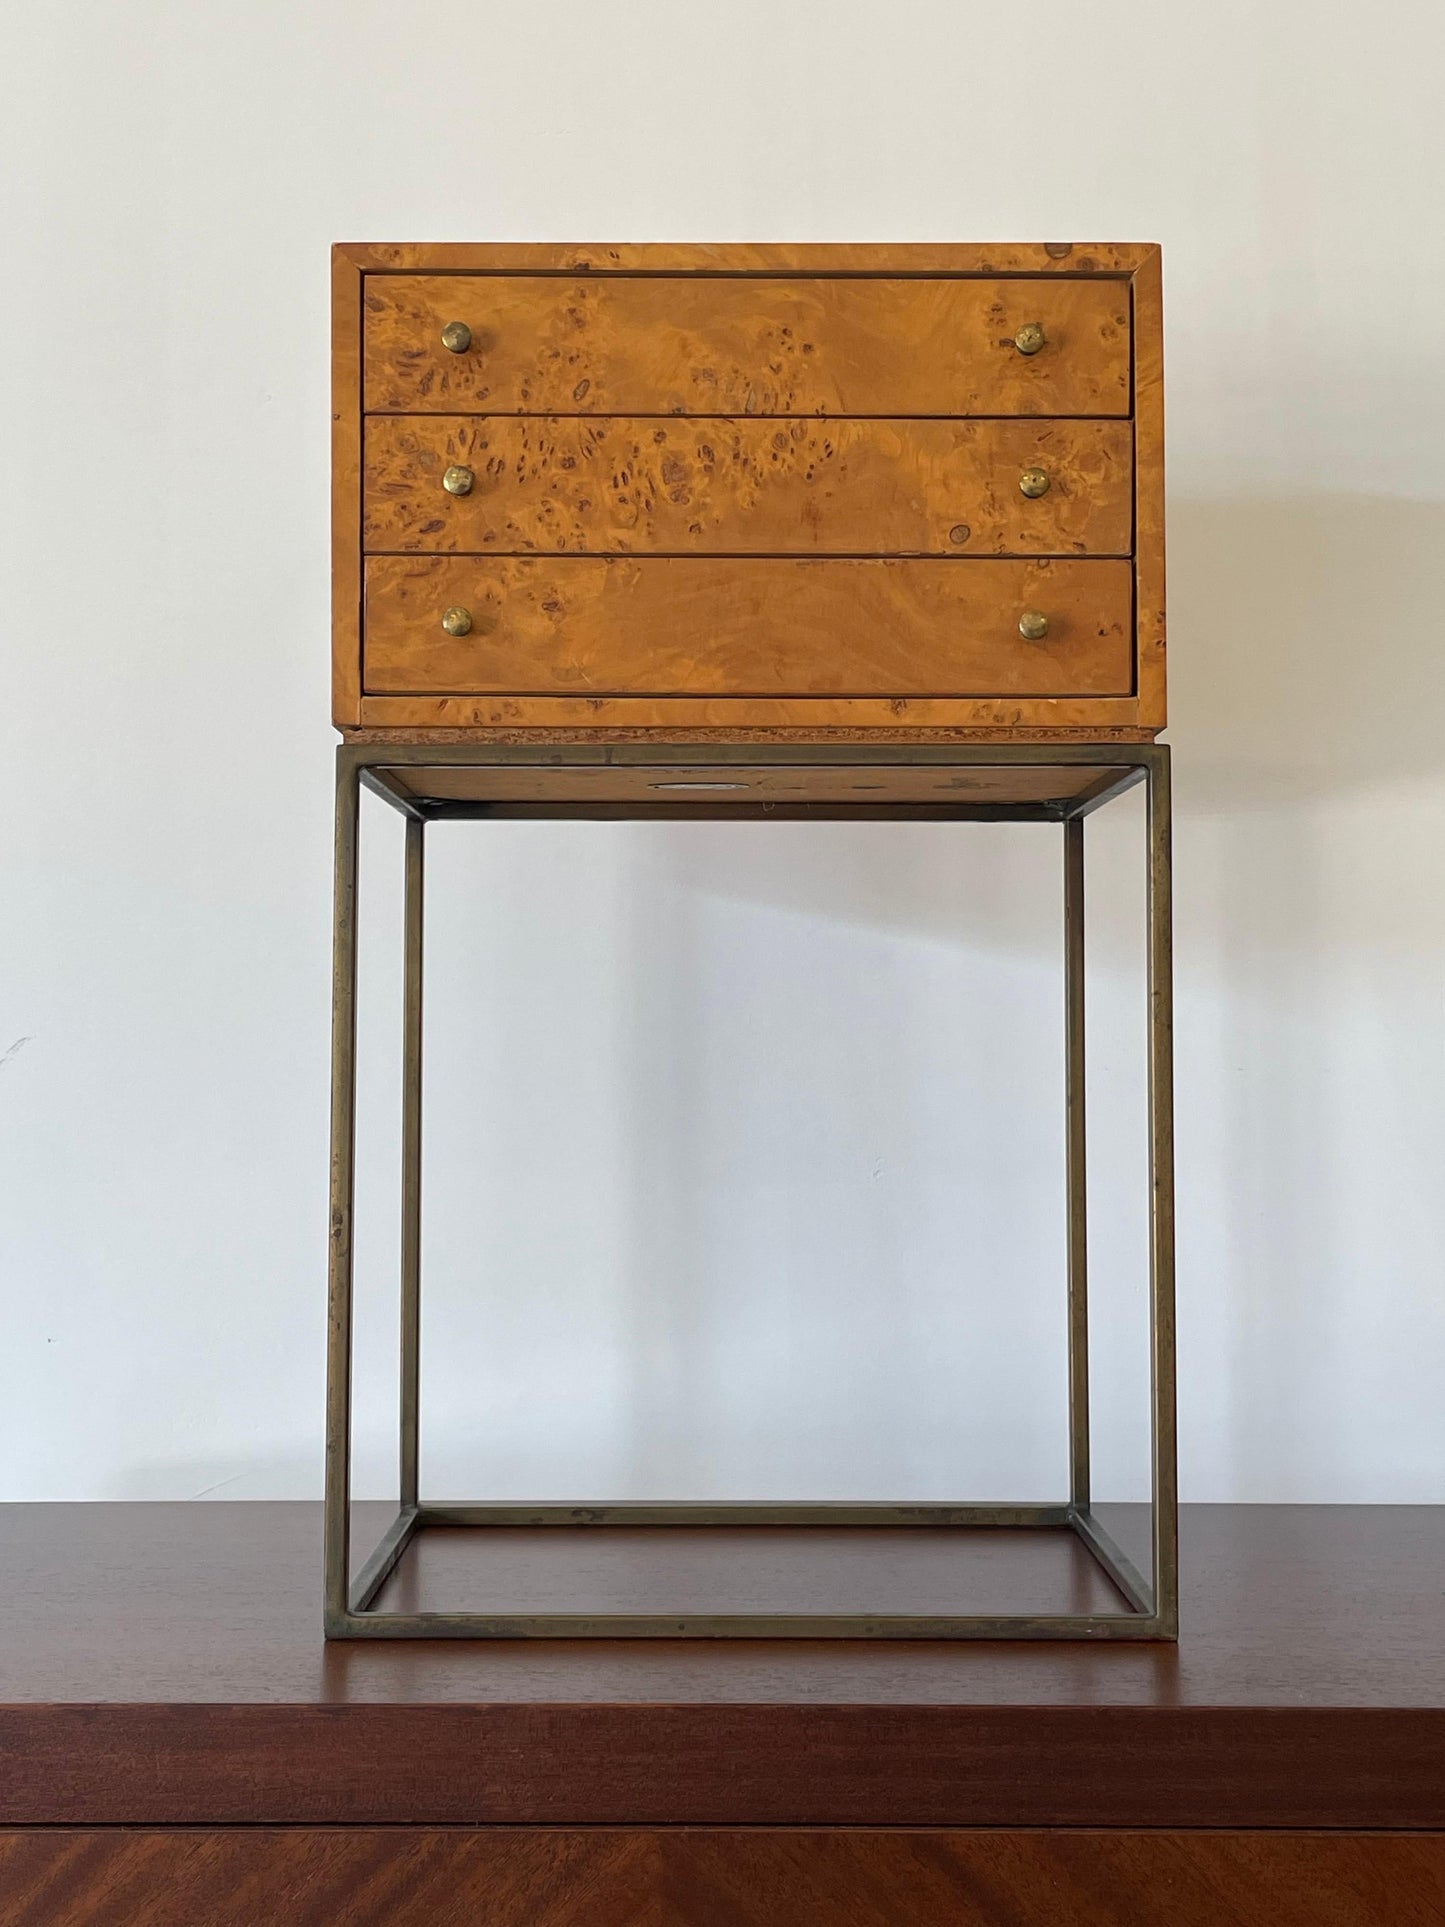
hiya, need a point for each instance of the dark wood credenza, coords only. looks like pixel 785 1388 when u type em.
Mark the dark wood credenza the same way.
pixel 178 1745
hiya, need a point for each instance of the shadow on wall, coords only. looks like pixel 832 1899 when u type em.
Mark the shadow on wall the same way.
pixel 1308 688
pixel 1308 693
pixel 1305 654
pixel 1305 663
pixel 722 1202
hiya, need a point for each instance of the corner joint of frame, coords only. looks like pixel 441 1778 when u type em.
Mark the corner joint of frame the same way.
pixel 1078 1518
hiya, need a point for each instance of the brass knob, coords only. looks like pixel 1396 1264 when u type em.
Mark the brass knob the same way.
pixel 456 337
pixel 458 622
pixel 1030 338
pixel 1033 482
pixel 1033 625
pixel 458 480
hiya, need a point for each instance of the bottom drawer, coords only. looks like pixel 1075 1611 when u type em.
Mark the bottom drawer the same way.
pixel 768 627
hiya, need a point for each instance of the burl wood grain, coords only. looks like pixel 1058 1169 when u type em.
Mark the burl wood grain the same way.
pixel 692 1877
pixel 594 626
pixel 745 345
pixel 345 485
pixel 722 719
pixel 1116 258
pixel 1120 280
pixel 1150 625
pixel 608 484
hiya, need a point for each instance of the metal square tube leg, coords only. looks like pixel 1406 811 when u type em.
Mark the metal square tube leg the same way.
pixel 1158 1597
pixel 1076 1161
pixel 338 1594
pixel 1161 1194
pixel 343 1186
pixel 413 915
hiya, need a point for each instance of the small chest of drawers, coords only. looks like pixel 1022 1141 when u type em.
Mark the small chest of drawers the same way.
pixel 749 489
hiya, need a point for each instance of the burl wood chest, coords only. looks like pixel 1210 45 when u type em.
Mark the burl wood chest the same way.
pixel 722 491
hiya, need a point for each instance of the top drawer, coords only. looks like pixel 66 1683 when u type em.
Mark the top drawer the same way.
pixel 745 345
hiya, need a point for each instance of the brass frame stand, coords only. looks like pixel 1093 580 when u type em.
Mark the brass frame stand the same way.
pixel 1149 1608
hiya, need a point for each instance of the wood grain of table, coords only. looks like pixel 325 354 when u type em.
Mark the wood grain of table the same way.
pixel 163 1664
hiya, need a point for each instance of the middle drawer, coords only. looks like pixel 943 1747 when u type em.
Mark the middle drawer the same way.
pixel 600 485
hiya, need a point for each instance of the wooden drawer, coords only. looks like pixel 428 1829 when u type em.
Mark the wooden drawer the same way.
pixel 746 345
pixel 571 484
pixel 787 490
pixel 600 626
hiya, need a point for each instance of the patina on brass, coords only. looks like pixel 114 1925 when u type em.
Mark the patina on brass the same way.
pixel 459 478
pixel 1034 482
pixel 457 622
pixel 456 337
pixel 1033 625
pixel 1148 1607
pixel 1030 338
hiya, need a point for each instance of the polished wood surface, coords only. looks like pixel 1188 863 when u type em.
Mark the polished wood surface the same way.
pixel 614 485
pixel 1147 294
pixel 685 1569
pixel 164 1664
pixel 1107 258
pixel 346 430
pixel 694 1877
pixel 721 719
pixel 629 400
pixel 600 626
pixel 895 719
pixel 745 345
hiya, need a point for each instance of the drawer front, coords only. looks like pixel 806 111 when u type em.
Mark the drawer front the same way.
pixel 594 627
pixel 618 485
pixel 745 345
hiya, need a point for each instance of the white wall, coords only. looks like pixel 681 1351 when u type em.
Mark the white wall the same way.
pixel 751 1178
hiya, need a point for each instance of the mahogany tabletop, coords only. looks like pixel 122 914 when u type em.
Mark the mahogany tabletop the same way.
pixel 164 1663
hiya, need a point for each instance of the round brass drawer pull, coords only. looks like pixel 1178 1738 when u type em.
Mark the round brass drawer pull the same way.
pixel 456 337
pixel 1033 625
pixel 457 622
pixel 1033 482
pixel 1030 338
pixel 458 481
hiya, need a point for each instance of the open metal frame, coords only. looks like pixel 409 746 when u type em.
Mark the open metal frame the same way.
pixel 1149 1604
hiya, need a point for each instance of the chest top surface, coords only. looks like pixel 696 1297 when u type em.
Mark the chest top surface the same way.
pixel 747 491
